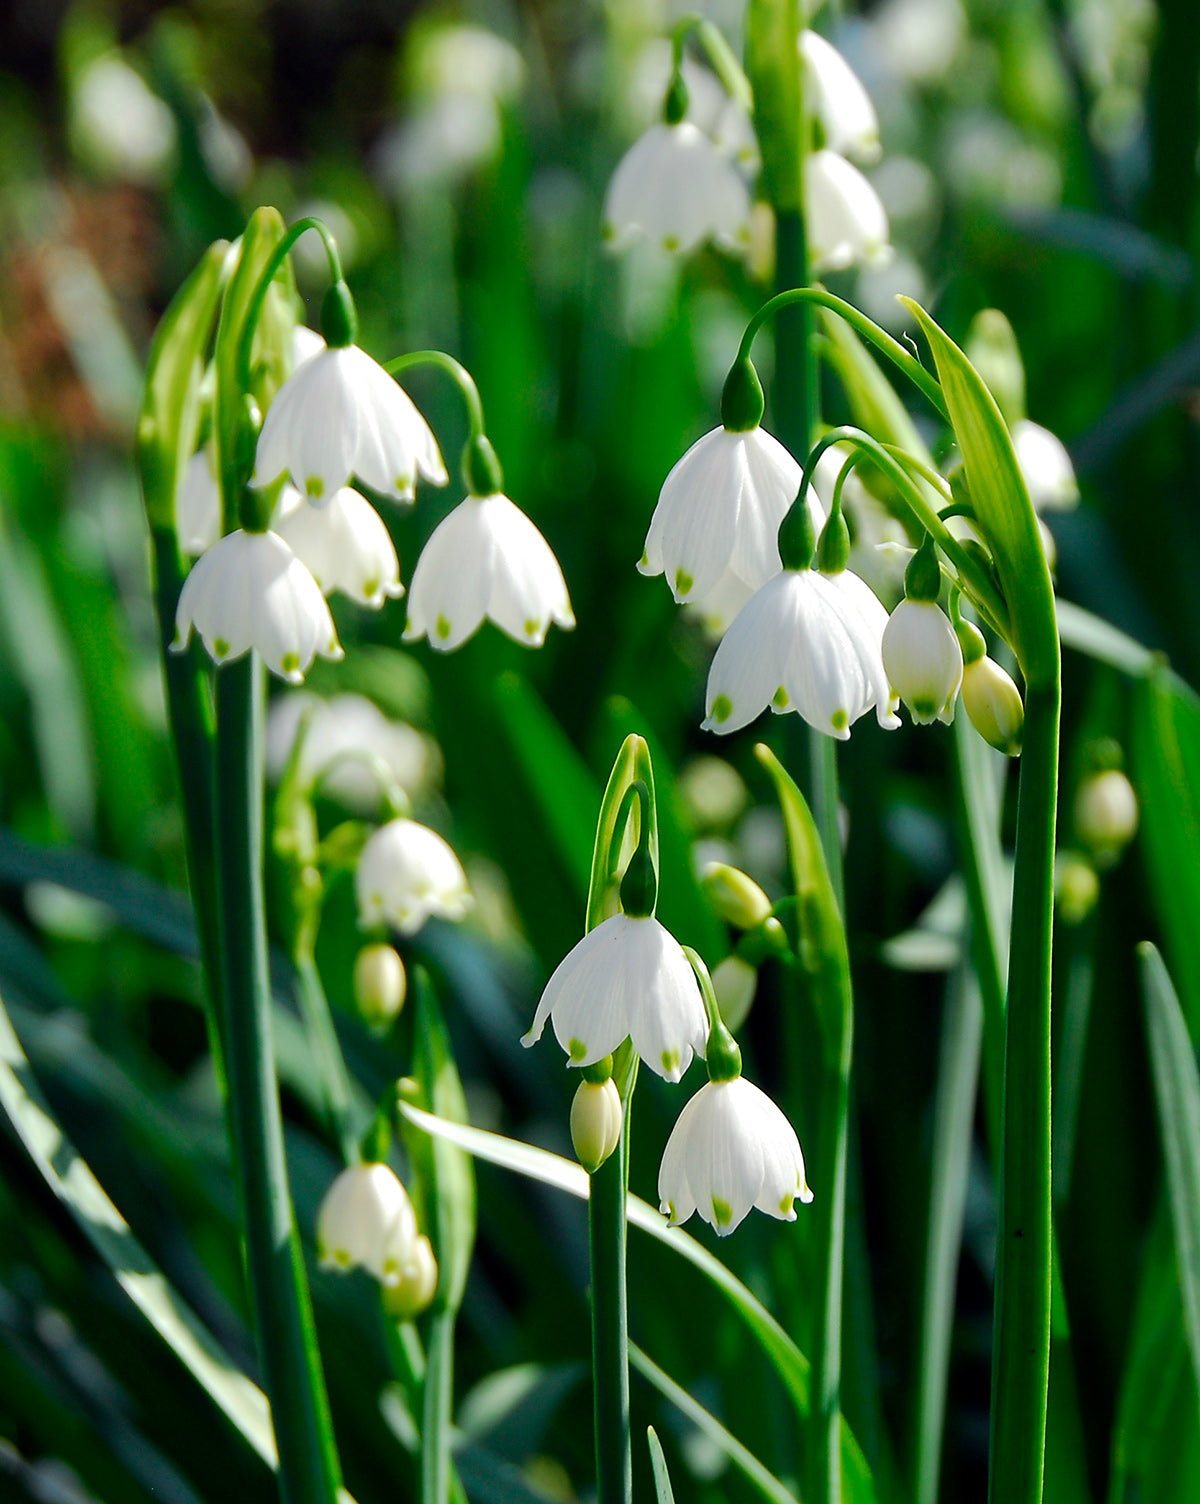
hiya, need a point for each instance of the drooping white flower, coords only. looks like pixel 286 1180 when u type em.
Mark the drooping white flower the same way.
pixel 367 1221
pixel 626 979
pixel 808 642
pixel 845 218
pixel 839 101
pixel 340 414
pixel 486 559
pixel 405 874
pixel 674 188
pixel 198 504
pixel 251 591
pixel 120 125
pixel 719 512
pixel 1046 466
pixel 336 732
pixel 923 659
pixel 731 1149
pixel 344 543
pixel 1106 814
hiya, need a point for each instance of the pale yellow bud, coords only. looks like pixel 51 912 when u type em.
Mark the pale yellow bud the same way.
pixel 595 1122
pixel 380 985
pixel 1106 814
pixel 413 1289
pixel 735 897
pixel 734 981
pixel 1076 887
pixel 994 705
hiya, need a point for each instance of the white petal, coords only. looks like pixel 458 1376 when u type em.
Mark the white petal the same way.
pixel 447 598
pixel 1046 466
pixel 748 666
pixel 346 546
pixel 839 100
pixel 846 220
pixel 395 443
pixel 312 426
pixel 406 873
pixel 674 188
pixel 198 504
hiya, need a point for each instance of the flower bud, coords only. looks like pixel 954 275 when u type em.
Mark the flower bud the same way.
pixel 411 1292
pixel 1076 887
pixel 923 660
pixel 380 985
pixel 735 897
pixel 595 1122
pixel 735 982
pixel 1106 814
pixel 994 705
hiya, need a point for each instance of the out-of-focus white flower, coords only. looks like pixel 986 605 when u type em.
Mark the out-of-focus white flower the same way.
pixel 251 591
pixel 847 223
pixel 366 1221
pixel 626 979
pixel 923 660
pixel 198 504
pixel 486 559
pixel 1046 466
pixel 808 642
pixel 596 1117
pixel 341 414
pixel 405 874
pixel 120 126
pixel 919 39
pixel 839 101
pixel 223 147
pixel 673 187
pixel 380 983
pixel 1106 814
pixel 709 107
pixel 416 1286
pixel 735 982
pixel 337 731
pixel 719 511
pixel 344 543
pixel 731 1149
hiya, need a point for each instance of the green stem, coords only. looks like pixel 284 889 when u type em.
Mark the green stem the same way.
pixel 867 328
pixel 610 1337
pixel 436 1407
pixel 829 1208
pixel 279 1299
pixel 192 731
pixel 458 373
pixel 254 307
pixel 1021 1334
pixel 326 1051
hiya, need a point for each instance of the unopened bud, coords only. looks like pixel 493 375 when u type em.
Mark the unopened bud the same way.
pixel 735 982
pixel 994 705
pixel 595 1122
pixel 380 985
pixel 1076 887
pixel 735 897
pixel 923 659
pixel 415 1286
pixel 1106 814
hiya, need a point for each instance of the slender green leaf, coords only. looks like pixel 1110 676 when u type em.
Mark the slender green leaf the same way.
pixel 761 1479
pixel 1099 639
pixel 1177 1091
pixel 658 1464
pixel 69 1177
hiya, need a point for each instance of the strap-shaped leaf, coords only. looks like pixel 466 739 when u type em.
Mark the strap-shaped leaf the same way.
pixel 69 1177
pixel 1000 498
pixel 658 1465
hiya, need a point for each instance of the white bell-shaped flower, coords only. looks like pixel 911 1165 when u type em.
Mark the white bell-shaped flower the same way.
pixel 1046 466
pixel 838 100
pixel 923 659
pixel 346 739
pixel 366 1221
pixel 719 512
pixel 344 543
pixel 674 188
pixel 198 504
pixel 341 414
pixel 486 559
pixel 405 874
pixel 626 979
pixel 251 591
pixel 731 1149
pixel 808 642
pixel 846 221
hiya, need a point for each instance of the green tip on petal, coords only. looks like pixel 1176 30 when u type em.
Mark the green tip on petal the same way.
pixel 722 1212
pixel 840 720
pixel 683 582
pixel 780 698
pixel 670 1062
pixel 290 662
pixel 442 628
pixel 315 487
pixel 722 708
pixel 220 647
pixel 577 1049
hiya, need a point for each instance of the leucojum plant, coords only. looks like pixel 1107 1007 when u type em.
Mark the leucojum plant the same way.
pixel 263 450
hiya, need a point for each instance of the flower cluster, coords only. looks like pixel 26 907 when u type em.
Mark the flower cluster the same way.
pixel 340 426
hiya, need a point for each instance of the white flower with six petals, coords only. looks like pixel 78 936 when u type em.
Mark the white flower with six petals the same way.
pixel 486 559
pixel 626 979
pixel 674 188
pixel 249 590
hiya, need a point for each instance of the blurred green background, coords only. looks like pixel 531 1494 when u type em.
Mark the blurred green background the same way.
pixel 1039 157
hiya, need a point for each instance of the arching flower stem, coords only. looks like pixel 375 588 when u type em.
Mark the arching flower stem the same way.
pixel 258 297
pixel 481 470
pixel 718 52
